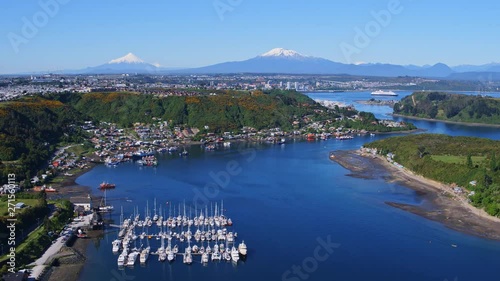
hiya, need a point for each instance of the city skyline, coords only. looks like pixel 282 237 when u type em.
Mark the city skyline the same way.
pixel 52 35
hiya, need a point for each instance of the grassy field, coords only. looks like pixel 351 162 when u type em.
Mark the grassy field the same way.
pixel 79 149
pixel 4 204
pixel 458 159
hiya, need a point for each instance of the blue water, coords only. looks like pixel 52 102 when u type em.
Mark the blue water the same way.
pixel 283 200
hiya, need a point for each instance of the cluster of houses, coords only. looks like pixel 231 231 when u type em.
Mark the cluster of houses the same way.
pixel 389 156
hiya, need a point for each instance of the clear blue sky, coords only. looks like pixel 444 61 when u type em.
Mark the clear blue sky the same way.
pixel 189 33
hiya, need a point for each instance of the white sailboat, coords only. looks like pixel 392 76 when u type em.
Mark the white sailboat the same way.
pixel 187 256
pixel 170 252
pixel 122 259
pixel 204 258
pixel 162 255
pixel 145 255
pixel 104 208
pixel 116 245
pixel 242 248
pixel 216 254
pixel 132 258
pixel 235 256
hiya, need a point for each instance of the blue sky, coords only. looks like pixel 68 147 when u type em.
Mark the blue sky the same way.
pixel 189 33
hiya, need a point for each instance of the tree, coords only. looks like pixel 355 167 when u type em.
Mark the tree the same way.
pixel 422 151
pixel 470 165
pixel 487 180
pixel 47 224
pixel 493 163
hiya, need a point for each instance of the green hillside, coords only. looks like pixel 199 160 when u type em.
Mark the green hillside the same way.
pixel 29 129
pixel 450 107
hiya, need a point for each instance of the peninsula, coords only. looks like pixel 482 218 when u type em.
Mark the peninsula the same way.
pixel 458 108
pixel 466 200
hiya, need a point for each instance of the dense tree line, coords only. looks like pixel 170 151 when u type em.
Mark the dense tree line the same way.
pixel 29 130
pixel 416 152
pixel 452 107
pixel 224 111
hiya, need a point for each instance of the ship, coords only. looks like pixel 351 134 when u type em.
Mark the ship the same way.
pixel 384 93
pixel 107 185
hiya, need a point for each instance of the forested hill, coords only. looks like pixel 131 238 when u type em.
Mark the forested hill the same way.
pixel 224 111
pixel 29 130
pixel 450 107
pixel 452 160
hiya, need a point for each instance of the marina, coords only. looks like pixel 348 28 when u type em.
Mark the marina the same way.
pixel 205 236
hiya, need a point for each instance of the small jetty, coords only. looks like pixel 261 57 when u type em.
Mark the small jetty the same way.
pixel 205 235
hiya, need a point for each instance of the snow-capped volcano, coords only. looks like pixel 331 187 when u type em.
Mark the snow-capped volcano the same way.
pixel 129 63
pixel 280 52
pixel 128 58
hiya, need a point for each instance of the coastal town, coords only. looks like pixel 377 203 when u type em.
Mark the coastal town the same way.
pixel 15 86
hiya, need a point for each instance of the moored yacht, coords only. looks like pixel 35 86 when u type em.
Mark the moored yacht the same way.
pixel 132 258
pixel 204 258
pixel 187 258
pixel 116 245
pixel 235 256
pixel 242 248
pixel 122 259
pixel 144 255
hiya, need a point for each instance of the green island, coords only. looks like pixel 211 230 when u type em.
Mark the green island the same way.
pixel 450 107
pixel 467 163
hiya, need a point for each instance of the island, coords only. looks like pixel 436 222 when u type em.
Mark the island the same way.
pixel 459 175
pixel 450 107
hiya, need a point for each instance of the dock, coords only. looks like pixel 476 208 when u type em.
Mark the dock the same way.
pixel 210 236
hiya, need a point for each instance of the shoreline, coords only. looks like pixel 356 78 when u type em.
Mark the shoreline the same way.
pixel 399 132
pixel 447 121
pixel 389 103
pixel 447 208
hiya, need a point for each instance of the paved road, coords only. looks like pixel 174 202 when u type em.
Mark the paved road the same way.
pixel 54 249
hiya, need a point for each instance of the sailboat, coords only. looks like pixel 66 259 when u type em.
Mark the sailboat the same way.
pixel 116 245
pixel 104 208
pixel 235 256
pixel 162 255
pixel 184 153
pixel 170 252
pixel 187 256
pixel 215 254
pixel 242 248
pixel 145 255
pixel 122 259
pixel 204 258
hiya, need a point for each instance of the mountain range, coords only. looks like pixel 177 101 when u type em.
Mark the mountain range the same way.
pixel 286 61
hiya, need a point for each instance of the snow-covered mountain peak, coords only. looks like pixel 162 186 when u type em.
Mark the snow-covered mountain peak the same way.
pixel 129 58
pixel 281 52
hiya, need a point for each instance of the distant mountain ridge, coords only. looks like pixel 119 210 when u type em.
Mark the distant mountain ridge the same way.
pixel 281 60
pixel 285 61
